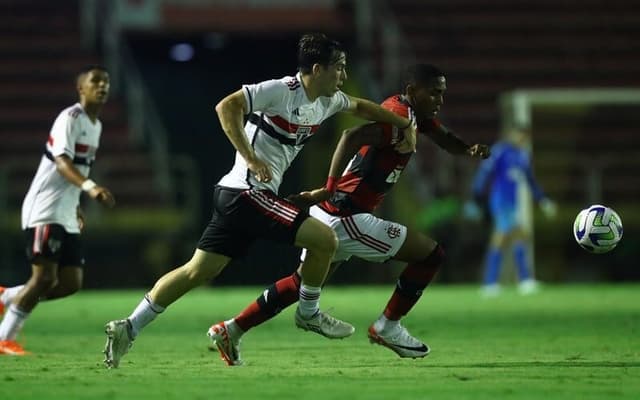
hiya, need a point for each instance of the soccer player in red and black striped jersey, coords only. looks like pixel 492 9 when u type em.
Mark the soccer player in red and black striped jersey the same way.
pixel 373 157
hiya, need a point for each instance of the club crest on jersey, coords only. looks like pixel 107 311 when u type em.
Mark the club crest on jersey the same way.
pixel 393 231
pixel 302 133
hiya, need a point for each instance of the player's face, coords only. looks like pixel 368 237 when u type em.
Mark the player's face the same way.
pixel 427 100
pixel 333 76
pixel 94 86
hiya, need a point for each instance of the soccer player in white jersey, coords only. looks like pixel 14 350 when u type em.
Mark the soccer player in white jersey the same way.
pixel 51 215
pixel 282 115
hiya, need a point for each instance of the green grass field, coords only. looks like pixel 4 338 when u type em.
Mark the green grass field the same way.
pixel 568 342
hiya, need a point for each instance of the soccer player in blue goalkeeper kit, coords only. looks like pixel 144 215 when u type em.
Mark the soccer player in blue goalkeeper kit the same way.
pixel 500 178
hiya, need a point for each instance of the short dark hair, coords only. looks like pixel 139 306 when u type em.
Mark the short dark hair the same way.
pixel 88 68
pixel 317 48
pixel 421 74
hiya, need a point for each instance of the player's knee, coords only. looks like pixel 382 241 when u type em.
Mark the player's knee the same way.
pixel 435 259
pixel 45 282
pixel 326 242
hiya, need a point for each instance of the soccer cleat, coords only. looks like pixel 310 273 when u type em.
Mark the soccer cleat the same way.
pixel 491 290
pixel 12 348
pixel 400 341
pixel 528 286
pixel 228 348
pixel 325 325
pixel 119 342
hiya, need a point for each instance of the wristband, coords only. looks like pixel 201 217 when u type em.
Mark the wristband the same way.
pixel 88 185
pixel 332 184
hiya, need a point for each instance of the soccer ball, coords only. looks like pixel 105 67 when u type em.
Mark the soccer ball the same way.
pixel 598 229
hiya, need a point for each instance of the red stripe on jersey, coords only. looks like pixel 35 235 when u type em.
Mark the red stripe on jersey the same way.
pixel 290 127
pixel 50 141
pixel 82 147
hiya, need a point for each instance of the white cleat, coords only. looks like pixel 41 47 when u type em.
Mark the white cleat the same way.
pixel 119 342
pixel 228 348
pixel 528 286
pixel 400 341
pixel 325 325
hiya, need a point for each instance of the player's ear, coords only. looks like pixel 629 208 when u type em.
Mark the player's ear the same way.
pixel 316 69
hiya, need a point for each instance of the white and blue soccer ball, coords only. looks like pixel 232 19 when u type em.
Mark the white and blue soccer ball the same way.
pixel 598 229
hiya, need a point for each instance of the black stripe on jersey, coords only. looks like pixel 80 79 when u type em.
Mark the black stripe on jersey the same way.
pixel 76 160
pixel 250 100
pixel 268 129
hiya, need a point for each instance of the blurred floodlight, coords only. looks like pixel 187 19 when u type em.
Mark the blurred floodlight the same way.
pixel 181 52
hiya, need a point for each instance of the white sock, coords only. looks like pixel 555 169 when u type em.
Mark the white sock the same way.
pixel 234 330
pixel 146 312
pixel 9 294
pixel 385 324
pixel 12 323
pixel 309 303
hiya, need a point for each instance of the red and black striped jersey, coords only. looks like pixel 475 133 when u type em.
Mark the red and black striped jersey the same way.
pixel 374 170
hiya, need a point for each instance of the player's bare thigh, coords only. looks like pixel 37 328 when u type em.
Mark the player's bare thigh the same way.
pixel 314 235
pixel 416 247
pixel 207 264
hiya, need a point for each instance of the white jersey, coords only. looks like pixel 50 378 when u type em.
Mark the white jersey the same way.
pixel 52 199
pixel 281 120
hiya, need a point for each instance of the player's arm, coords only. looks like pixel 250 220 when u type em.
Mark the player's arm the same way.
pixel 231 111
pixel 373 112
pixel 350 142
pixel 65 167
pixel 449 141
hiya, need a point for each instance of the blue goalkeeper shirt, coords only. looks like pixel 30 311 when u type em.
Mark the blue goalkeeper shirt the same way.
pixel 507 168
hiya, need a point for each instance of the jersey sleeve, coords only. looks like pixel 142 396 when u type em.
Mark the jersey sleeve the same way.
pixel 536 190
pixel 339 102
pixel 265 95
pixel 63 136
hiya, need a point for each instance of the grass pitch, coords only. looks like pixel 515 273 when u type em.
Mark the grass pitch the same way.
pixel 567 342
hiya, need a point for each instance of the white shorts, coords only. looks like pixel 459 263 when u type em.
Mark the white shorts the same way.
pixel 362 235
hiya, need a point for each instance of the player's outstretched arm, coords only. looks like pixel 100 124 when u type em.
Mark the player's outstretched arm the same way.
pixel 453 144
pixel 373 112
pixel 231 111
pixel 350 142
pixel 65 167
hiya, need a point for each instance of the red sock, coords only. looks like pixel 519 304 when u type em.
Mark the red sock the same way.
pixel 274 299
pixel 413 280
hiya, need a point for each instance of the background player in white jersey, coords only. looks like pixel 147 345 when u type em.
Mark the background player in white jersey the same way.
pixel 51 216
pixel 283 114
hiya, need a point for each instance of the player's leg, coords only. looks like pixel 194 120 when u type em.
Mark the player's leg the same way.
pixel 527 284
pixel 43 278
pixel 504 220
pixel 7 294
pixel 424 257
pixel 202 267
pixel 45 246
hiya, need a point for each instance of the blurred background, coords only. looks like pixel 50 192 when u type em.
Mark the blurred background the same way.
pixel 569 69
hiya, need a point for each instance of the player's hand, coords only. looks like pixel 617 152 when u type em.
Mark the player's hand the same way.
pixel 408 143
pixel 261 170
pixel 103 196
pixel 309 198
pixel 479 151
pixel 80 217
pixel 549 208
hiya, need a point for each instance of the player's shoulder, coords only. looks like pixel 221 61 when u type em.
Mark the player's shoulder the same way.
pixel 72 112
pixel 396 104
pixel 291 82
